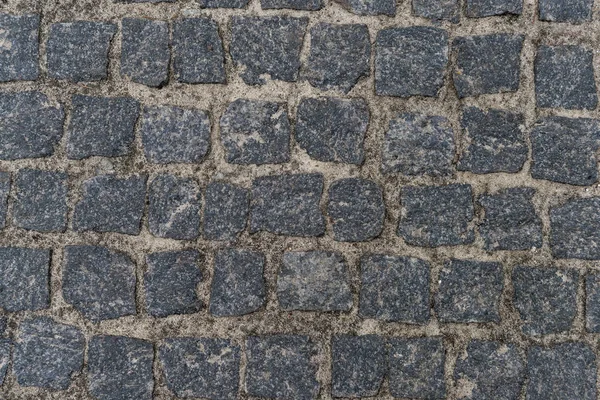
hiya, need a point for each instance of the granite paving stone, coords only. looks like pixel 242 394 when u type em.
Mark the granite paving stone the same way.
pixel 369 7
pixel 4 192
pixel 25 283
pixel 444 10
pixel 5 350
pixel 592 302
pixel 225 210
pixel 572 11
pixel 306 5
pixel 574 229
pixel 223 3
pixel 488 8
pixel 19 55
pixel 145 51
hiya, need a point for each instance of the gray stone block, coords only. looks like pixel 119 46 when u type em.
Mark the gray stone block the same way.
pixel 19 55
pixel 575 229
pixel 572 11
pixel 592 302
pixel 223 3
pixel 369 7
pixel 4 191
pixel 145 51
pixel 25 283
pixel 225 210
pixel 444 10
pixel 488 8
pixel 306 5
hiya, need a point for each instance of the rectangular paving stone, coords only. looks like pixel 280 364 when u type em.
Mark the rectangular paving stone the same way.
pixel 575 229
pixel 174 207
pixel 314 281
pixel 592 302
pixel 394 288
pixel 25 279
pixel 40 202
pixel 223 3
pixel 571 11
pixel 306 5
pixel 410 61
pixel 482 71
pixel 145 51
pixel 369 7
pixel 4 191
pixel 19 55
pixel 205 367
pixel 488 8
pixel 34 130
pixel 101 126
pixel 198 55
pixel 437 10
pixel 170 282
pixel 270 46
pixel 78 51
pixel 225 210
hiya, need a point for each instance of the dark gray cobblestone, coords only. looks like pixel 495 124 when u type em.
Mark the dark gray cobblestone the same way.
pixel 487 8
pixel 19 58
pixel 369 7
pixel 145 51
pixel 574 229
pixel 225 211
pixel 437 10
pixel 25 278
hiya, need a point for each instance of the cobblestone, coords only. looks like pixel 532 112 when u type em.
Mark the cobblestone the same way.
pixel 225 211
pixel 4 192
pixel 488 8
pixel 575 12
pixel 574 229
pixel 145 51
pixel 25 279
pixel 592 302
pixel 374 7
pixel 437 10
pixel 307 5
pixel 19 58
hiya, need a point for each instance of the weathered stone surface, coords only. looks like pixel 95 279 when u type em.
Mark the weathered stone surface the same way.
pixel 174 207
pixel 111 204
pixel 410 61
pixel 358 365
pixel 417 368
pixel 223 3
pixel 120 367
pixel 493 370
pixel 339 56
pixel 488 8
pixel 24 283
pixel 480 70
pixel 287 205
pixel 101 126
pixel 30 125
pixel 592 302
pixel 255 132
pixel 267 46
pixel 238 285
pixel 175 135
pixel 356 209
pixel 555 67
pixel 5 348
pixel 281 366
pixel 145 51
pixel 170 282
pixel 308 5
pixel 417 144
pixel 4 191
pixel 144 1
pixel 437 10
pixel 225 210
pixel 564 371
pixel 469 291
pixel 437 215
pixel 546 299
pixel 572 11
pixel 206 367
pixel 564 150
pixel 369 7
pixel 19 55
pixel 496 141
pixel 98 282
pixel 198 55
pixel 78 51
pixel 47 353
pixel 314 281
pixel 511 222
pixel 394 288
pixel 40 202
pixel 332 129
pixel 575 229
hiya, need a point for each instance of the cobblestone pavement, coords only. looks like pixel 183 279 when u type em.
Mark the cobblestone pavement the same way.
pixel 299 199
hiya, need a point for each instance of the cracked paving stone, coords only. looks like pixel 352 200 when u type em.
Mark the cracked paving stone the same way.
pixel 369 7
pixel 120 367
pixel 5 350
pixel 175 135
pixel 40 202
pixel 170 282
pixel 205 367
pixel 555 67
pixel 494 141
pixel 238 285
pixel 410 61
pixel 255 132
pixel 101 126
pixel 19 55
pixel 267 46
pixel 444 10
pixel 546 299
pixel 223 3
pixel 481 71
pixel 488 8
pixel 287 204
pixel 281 366
pixel 225 210
pixel 47 353
pixel 145 51
pixel 563 371
pixel 511 222
pixel 25 283
pixel 394 288
pixel 574 229
pixel 417 144
pixel 358 365
pixel 356 209
pixel 4 191
pixel 111 204
pixel 564 150
pixel 174 207
pixel 435 216
pixel 469 291
pixel 592 302
pixel 332 130
pixel 98 282
pixel 416 368
pixel 198 55
pixel 572 11
pixel 314 281
pixel 494 371
pixel 306 5
pixel 30 125
pixel 78 51
pixel 339 56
